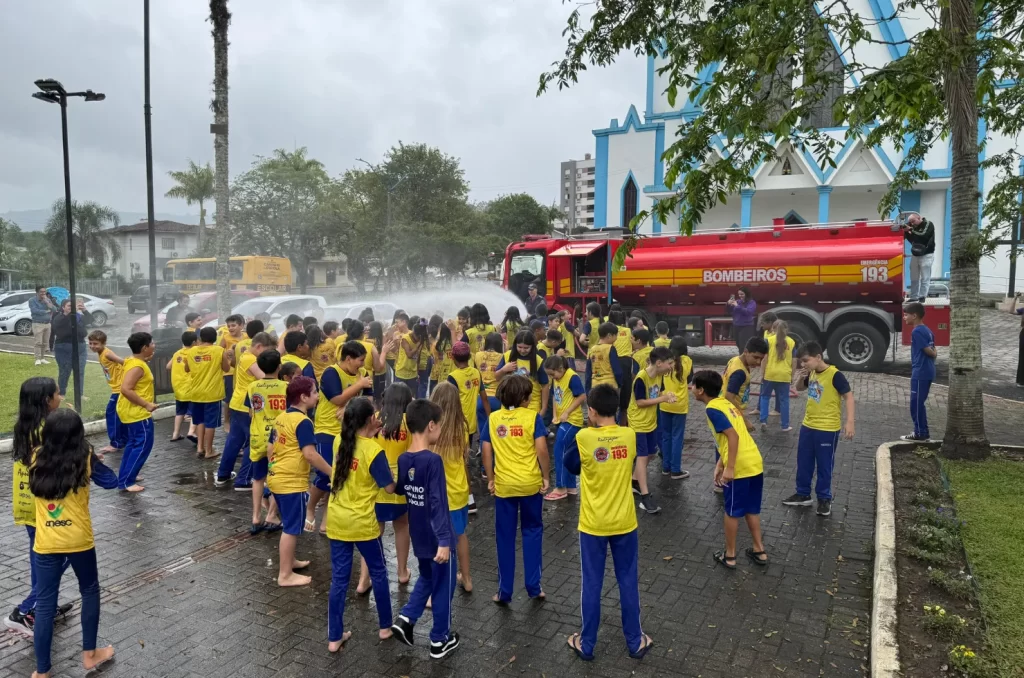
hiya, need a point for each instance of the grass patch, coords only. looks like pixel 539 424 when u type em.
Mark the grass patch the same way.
pixel 17 368
pixel 987 497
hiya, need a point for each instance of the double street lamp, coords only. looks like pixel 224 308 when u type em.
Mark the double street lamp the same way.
pixel 53 92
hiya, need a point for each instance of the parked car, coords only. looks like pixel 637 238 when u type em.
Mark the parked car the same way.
pixel 165 294
pixel 203 303
pixel 18 318
pixel 15 298
pixel 279 308
pixel 382 310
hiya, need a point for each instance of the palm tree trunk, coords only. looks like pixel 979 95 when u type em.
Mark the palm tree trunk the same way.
pixel 202 228
pixel 220 18
pixel 965 423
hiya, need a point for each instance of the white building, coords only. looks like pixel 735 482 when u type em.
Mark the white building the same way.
pixel 173 241
pixel 629 173
pixel 577 192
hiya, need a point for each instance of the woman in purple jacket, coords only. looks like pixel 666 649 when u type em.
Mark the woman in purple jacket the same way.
pixel 743 309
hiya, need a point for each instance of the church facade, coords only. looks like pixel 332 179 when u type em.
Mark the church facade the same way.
pixel 629 173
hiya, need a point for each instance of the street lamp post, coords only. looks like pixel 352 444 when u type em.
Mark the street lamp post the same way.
pixel 390 190
pixel 53 92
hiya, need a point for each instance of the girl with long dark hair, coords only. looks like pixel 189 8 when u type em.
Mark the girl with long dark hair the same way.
pixel 743 309
pixel 58 478
pixel 487 362
pixel 409 347
pixel 522 359
pixel 393 438
pixel 672 416
pixel 479 327
pixel 375 335
pixel 441 353
pixel 511 323
pixel 360 471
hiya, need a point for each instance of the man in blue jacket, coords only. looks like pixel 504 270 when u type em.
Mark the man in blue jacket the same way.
pixel 42 310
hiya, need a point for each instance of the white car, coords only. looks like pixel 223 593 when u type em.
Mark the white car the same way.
pixel 383 311
pixel 18 318
pixel 279 308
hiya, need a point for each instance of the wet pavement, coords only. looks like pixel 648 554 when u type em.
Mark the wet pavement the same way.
pixel 187 592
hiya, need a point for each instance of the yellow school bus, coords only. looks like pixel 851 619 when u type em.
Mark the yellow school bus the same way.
pixel 269 275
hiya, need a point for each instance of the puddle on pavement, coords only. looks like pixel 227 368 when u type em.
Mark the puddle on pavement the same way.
pixel 186 479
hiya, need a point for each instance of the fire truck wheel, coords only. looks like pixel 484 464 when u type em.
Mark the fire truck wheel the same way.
pixel 856 347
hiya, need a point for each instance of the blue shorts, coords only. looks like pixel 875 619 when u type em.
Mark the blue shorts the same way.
pixel 259 469
pixel 325 446
pixel 229 387
pixel 460 518
pixel 182 407
pixel 387 513
pixel 206 414
pixel 646 444
pixel 292 508
pixel 742 497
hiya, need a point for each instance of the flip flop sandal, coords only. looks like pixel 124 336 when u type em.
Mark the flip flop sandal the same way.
pixel 200 455
pixel 174 440
pixel 725 560
pixel 256 528
pixel 309 526
pixel 645 645
pixel 192 439
pixel 574 642
pixel 756 557
pixel 271 527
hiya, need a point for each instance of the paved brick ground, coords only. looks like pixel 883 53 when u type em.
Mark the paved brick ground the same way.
pixel 188 593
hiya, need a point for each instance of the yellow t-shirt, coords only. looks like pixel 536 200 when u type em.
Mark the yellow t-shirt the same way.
pixel 477 335
pixel 606 467
pixel 230 343
pixel 487 362
pixel 736 364
pixel 239 349
pixel 562 396
pixel 774 368
pixel 405 367
pixel 243 378
pixel 512 434
pixel 24 503
pixel 456 480
pixel 467 380
pixel 679 387
pixel 287 468
pixel 624 342
pixel 323 356
pixel 113 372
pixel 660 342
pixel 292 358
pixel 748 457
pixel 326 417
pixel 641 356
pixel 127 411
pixel 181 381
pixel 350 512
pixel 64 525
pixel 368 363
pixel 644 419
pixel 601 365
pixel 523 369
pixel 824 403
pixel 570 341
pixel 267 399
pixel 393 449
pixel 443 363
pixel 207 376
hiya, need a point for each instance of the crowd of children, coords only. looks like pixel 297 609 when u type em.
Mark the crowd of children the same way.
pixel 388 423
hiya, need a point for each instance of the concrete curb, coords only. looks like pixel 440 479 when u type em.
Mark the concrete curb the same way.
pixel 98 426
pixel 885 661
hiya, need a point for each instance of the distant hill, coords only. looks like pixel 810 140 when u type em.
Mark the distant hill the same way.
pixel 35 220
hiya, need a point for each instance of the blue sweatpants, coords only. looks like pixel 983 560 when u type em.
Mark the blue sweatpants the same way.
pixel 437 583
pixel 625 550
pixel 115 432
pixel 29 603
pixel 816 450
pixel 372 552
pixel 481 416
pixel 566 434
pixel 421 386
pixel 136 451
pixel 49 570
pixel 237 443
pixel 919 389
pixel 508 512
pixel 781 391
pixel 671 429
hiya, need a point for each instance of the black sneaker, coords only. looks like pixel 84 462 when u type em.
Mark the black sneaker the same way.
pixel 221 482
pixel 636 487
pixel 914 438
pixel 824 507
pixel 62 611
pixel 22 623
pixel 243 488
pixel 472 508
pixel 402 629
pixel 681 475
pixel 648 504
pixel 442 650
pixel 798 500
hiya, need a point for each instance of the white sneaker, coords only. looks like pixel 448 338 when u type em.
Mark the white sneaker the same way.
pixel 39 362
pixel 45 361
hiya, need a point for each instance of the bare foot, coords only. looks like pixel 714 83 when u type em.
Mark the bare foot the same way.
pixel 108 448
pixel 403 578
pixel 539 596
pixel 466 583
pixel 384 634
pixel 134 488
pixel 93 658
pixel 362 588
pixel 211 455
pixel 430 603
pixel 300 564
pixel 335 645
pixel 36 674
pixel 294 580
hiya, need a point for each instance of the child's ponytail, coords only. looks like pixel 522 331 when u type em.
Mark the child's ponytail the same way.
pixel 781 330
pixel 679 349
pixel 357 413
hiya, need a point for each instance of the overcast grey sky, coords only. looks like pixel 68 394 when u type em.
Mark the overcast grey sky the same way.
pixel 346 78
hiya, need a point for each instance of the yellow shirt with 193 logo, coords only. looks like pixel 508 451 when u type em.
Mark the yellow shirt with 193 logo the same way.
pixel 606 467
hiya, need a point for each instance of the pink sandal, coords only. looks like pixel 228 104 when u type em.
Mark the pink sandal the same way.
pixel 555 495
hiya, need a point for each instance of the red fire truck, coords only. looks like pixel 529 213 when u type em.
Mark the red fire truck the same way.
pixel 840 284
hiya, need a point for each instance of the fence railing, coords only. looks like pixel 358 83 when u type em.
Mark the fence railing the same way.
pixel 100 287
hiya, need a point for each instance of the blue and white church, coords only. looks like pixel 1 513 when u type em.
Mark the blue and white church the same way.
pixel 629 173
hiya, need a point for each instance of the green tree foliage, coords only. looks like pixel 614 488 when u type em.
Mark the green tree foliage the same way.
pixel 776 76
pixel 195 186
pixel 92 243
pixel 516 215
pixel 6 232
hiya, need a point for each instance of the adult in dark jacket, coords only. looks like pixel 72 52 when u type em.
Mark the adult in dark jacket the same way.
pixel 65 341
pixel 920 233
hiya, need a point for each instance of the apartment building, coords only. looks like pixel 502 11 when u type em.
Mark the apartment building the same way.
pixel 576 197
